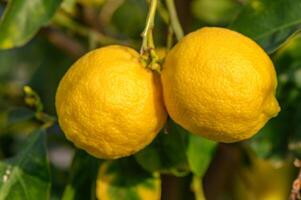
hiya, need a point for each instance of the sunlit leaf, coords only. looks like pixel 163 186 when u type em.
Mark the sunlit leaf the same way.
pixel 200 152
pixel 22 19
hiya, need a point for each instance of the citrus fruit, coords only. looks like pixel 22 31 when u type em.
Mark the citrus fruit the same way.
pixel 219 84
pixel 109 104
pixel 263 180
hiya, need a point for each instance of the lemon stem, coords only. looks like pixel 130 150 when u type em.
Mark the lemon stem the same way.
pixel 147 41
pixel 174 20
pixel 149 57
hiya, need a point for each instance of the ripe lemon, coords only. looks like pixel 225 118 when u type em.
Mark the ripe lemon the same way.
pixel 219 84
pixel 109 104
pixel 262 180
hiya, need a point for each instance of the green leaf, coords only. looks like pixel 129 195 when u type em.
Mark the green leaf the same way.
pixel 135 18
pixel 82 177
pixel 270 23
pixel 166 153
pixel 200 152
pixel 178 152
pixel 22 19
pixel 125 179
pixel 19 114
pixel 26 176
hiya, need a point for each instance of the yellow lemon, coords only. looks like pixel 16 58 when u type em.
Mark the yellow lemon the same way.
pixel 219 84
pixel 109 104
pixel 263 181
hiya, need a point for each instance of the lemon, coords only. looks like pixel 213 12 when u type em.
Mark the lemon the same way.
pixel 263 181
pixel 109 104
pixel 219 84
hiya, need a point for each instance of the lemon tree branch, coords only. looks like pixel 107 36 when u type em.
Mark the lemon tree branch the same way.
pixel 296 187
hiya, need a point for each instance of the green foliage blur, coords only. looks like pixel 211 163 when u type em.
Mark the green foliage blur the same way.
pixel 40 39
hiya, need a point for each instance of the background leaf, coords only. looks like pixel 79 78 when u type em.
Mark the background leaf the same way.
pixel 166 154
pixel 215 12
pixel 125 179
pixel 15 116
pixel 270 23
pixel 281 135
pixel 82 177
pixel 22 19
pixel 177 152
pixel 26 176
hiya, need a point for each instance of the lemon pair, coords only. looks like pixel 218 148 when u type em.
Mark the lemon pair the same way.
pixel 215 83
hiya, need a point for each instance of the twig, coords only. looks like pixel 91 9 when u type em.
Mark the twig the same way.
pixel 147 38
pixel 64 21
pixel 108 9
pixel 33 99
pixel 175 23
pixel 163 12
pixel 296 187
pixel 170 38
pixel 148 54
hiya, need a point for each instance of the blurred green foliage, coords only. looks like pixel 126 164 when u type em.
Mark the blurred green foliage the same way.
pixel 46 37
pixel 218 12
pixel 270 23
